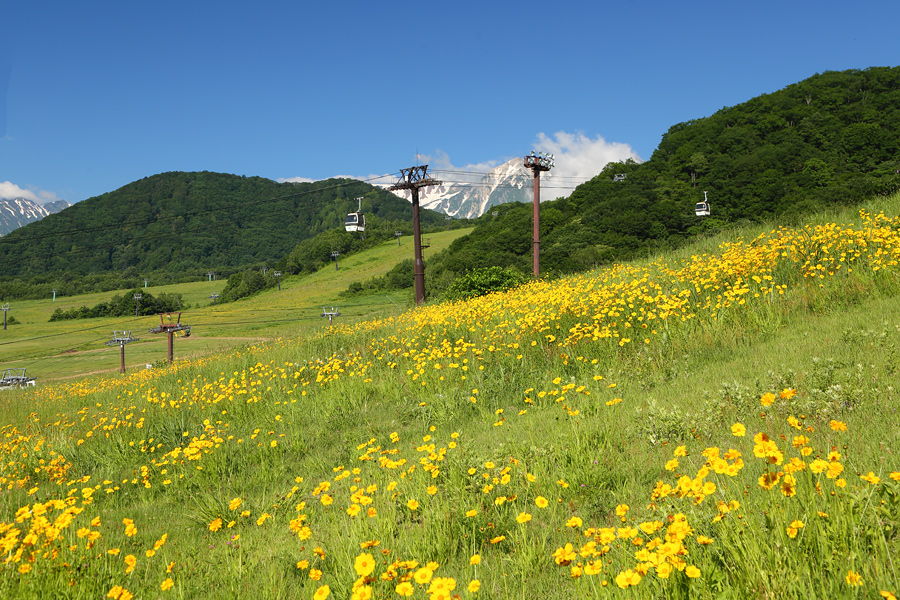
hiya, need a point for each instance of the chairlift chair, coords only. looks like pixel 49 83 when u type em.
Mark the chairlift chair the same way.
pixel 355 221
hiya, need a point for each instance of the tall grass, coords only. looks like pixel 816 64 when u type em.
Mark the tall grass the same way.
pixel 715 423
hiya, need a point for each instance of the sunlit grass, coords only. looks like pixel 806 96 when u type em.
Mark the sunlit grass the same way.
pixel 697 425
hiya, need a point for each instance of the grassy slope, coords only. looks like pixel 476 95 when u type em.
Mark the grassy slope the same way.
pixel 71 348
pixel 837 348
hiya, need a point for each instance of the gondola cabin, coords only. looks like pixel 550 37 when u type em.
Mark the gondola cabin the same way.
pixel 701 209
pixel 356 221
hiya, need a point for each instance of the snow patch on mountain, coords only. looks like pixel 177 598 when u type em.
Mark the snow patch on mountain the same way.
pixel 16 212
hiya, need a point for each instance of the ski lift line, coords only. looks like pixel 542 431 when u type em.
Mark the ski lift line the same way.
pixel 497 175
pixel 50 335
pixel 7 240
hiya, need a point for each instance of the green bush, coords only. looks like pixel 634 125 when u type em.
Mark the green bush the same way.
pixel 478 282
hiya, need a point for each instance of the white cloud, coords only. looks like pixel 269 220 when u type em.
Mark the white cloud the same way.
pixel 9 190
pixel 294 180
pixel 578 158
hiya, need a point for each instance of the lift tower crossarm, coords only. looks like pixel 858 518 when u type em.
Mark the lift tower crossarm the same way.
pixel 170 329
pixel 412 179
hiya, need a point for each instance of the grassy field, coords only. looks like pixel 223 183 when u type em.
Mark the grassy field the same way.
pixel 718 422
pixel 65 349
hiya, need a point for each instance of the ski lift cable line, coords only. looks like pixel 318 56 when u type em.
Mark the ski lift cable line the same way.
pixel 499 176
pixel 7 240
pixel 378 307
pixel 73 332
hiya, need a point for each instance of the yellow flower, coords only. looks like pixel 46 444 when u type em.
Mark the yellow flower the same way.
pixel 166 584
pixel 853 579
pixel 627 578
pixel 523 518
pixel 574 522
pixel 471 512
pixel 405 588
pixel 794 528
pixel 423 575
pixel 364 564
pixel 412 504
pixel 475 559
pixel 767 399
pixel 130 562
pixel 541 502
pixel 234 504
pixel 322 593
pixel 871 477
pixel 738 430
pixel 474 586
pixel 787 393
pixel 692 572
pixel 838 425
pixel 215 525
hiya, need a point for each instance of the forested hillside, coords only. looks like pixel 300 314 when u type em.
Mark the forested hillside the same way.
pixel 185 224
pixel 830 139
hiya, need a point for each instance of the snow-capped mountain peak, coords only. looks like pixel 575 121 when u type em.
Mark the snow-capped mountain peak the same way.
pixel 15 212
pixel 469 195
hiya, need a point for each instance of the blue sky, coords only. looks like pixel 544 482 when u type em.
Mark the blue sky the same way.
pixel 96 94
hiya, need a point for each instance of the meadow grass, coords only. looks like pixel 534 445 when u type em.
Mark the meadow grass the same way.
pixel 65 349
pixel 719 422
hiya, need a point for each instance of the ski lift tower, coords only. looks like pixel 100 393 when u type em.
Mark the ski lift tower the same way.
pixel 120 338
pixel 331 314
pixel 412 179
pixel 278 279
pixel 5 309
pixel 171 329
pixel 537 163
pixel 15 379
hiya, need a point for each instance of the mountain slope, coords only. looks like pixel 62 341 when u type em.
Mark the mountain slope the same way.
pixel 192 222
pixel 832 139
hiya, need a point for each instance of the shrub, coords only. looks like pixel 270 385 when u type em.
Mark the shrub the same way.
pixel 478 282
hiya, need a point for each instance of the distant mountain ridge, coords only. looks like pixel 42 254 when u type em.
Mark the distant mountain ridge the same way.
pixel 16 212
pixel 193 222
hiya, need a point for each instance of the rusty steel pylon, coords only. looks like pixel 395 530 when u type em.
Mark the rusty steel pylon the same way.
pixel 170 329
pixel 412 179
pixel 537 163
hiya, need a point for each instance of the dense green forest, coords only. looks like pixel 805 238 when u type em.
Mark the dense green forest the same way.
pixel 177 226
pixel 832 139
